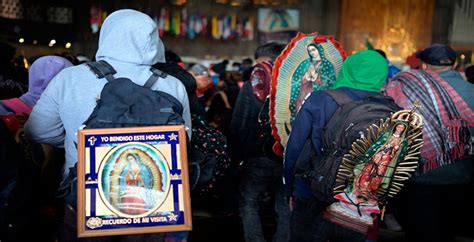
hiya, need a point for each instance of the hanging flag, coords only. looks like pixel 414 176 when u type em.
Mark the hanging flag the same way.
pixel 215 27
pixel 184 22
pixel 177 23
pixel 161 22
pixel 220 28
pixel 172 19
pixel 248 29
pixel 166 19
pixel 95 18
pixel 204 24
pixel 174 23
pixel 198 24
pixel 240 29
pixel 156 19
pixel 234 21
pixel 227 27
pixel 191 30
pixel 251 28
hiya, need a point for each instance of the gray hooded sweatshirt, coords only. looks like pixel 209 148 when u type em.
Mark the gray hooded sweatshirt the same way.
pixel 128 41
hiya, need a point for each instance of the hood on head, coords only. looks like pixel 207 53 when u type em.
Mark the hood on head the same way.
pixel 131 37
pixel 365 70
pixel 41 72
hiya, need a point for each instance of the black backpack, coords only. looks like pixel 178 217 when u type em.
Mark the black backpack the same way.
pixel 209 161
pixel 123 103
pixel 10 88
pixel 347 124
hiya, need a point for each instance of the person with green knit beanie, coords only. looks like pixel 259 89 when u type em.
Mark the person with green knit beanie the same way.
pixel 365 70
pixel 362 76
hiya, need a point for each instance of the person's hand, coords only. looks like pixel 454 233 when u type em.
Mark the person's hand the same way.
pixel 291 203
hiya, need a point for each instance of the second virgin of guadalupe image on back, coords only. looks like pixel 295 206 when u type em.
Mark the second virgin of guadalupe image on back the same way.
pixel 133 180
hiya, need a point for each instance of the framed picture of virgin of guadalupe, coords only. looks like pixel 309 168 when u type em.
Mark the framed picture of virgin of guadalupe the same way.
pixel 132 181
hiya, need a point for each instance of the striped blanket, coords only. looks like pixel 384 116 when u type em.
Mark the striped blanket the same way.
pixel 446 115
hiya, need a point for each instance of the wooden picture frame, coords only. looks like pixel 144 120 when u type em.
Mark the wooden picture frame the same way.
pixel 132 181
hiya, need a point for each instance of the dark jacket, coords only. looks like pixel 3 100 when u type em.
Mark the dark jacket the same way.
pixel 245 122
pixel 13 82
pixel 188 81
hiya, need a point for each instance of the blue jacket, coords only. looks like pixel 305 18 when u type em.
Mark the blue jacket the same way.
pixel 309 123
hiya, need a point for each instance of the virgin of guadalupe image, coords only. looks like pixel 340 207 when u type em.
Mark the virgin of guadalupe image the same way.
pixel 313 74
pixel 278 20
pixel 134 188
pixel 374 171
pixel 309 62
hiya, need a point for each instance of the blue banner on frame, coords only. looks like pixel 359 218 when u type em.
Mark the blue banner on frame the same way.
pixel 133 180
pixel 120 223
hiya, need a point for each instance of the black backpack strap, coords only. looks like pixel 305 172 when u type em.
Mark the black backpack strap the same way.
pixel 339 96
pixel 154 77
pixel 102 69
pixel 263 115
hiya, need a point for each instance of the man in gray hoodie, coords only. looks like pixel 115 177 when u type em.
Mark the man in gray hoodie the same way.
pixel 129 42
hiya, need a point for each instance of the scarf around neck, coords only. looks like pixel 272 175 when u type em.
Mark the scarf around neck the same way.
pixel 446 115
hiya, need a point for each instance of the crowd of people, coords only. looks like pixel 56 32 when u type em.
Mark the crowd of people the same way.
pixel 230 103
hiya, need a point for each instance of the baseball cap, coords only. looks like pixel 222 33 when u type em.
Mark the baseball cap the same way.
pixel 199 69
pixel 438 55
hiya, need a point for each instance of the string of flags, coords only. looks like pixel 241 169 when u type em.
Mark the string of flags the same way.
pixel 231 27
pixel 177 22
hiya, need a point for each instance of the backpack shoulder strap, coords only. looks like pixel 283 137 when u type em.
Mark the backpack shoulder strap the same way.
pixel 102 69
pixel 339 96
pixel 154 77
pixel 17 106
pixel 264 109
